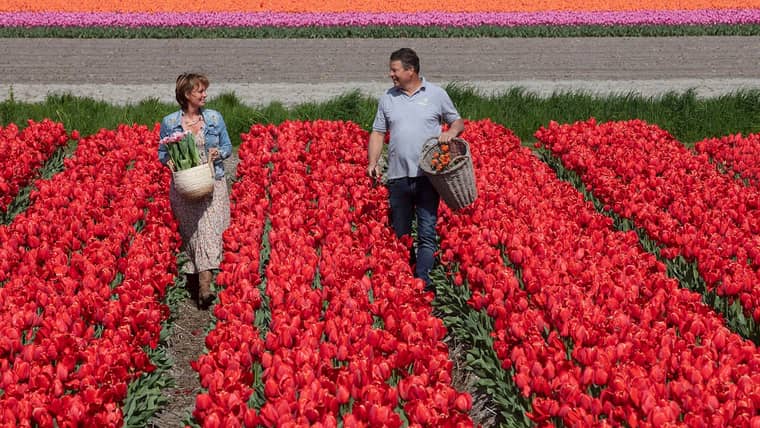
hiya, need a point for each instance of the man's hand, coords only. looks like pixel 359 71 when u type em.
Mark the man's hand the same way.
pixel 170 164
pixel 454 130
pixel 445 137
pixel 374 149
pixel 373 171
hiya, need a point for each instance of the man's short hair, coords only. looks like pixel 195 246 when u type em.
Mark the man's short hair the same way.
pixel 408 58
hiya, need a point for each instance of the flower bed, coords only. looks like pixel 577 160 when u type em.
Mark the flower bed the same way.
pixel 594 330
pixel 22 153
pixel 371 6
pixel 468 13
pixel 736 154
pixel 83 271
pixel 681 200
pixel 351 336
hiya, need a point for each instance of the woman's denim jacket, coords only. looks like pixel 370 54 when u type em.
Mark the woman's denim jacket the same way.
pixel 214 133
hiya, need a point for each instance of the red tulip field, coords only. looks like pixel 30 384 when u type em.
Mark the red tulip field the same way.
pixel 605 278
pixel 83 271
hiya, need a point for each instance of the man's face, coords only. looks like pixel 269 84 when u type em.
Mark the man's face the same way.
pixel 400 76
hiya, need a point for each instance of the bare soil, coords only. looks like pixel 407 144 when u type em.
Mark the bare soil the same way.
pixel 185 344
pixel 296 70
pixel 131 61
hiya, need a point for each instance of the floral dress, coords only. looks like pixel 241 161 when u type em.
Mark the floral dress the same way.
pixel 202 222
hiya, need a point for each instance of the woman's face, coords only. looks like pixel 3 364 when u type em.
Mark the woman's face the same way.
pixel 197 97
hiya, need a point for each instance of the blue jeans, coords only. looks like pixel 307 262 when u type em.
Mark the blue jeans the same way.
pixel 408 196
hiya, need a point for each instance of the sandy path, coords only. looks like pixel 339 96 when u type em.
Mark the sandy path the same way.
pixel 296 70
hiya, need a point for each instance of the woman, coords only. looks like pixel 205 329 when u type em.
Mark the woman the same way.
pixel 201 222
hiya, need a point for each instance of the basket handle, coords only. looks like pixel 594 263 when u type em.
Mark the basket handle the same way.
pixel 435 141
pixel 429 144
pixel 464 144
pixel 432 141
pixel 211 167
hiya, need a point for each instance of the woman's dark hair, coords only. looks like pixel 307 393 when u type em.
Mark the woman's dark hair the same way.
pixel 186 82
pixel 408 58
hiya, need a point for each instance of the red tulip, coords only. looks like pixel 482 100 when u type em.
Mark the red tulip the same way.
pixel 463 402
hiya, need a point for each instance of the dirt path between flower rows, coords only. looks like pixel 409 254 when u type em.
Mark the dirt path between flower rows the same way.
pixel 296 70
pixel 293 71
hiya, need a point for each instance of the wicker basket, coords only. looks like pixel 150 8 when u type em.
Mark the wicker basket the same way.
pixel 196 182
pixel 456 182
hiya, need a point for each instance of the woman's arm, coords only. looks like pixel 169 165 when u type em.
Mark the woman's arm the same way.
pixel 225 145
pixel 163 152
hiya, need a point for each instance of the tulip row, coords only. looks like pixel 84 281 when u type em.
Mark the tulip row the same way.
pixel 22 153
pixel 594 330
pixel 680 200
pixel 340 19
pixel 351 339
pixel 735 153
pixel 235 345
pixel 83 269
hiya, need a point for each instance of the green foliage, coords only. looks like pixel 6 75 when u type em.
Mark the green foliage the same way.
pixel 144 396
pixel 380 31
pixel 686 116
pixel 351 106
pixel 263 316
pixel 257 398
pixel 184 153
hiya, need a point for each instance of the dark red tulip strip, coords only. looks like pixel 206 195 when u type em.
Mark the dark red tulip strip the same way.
pixel 735 154
pixel 24 152
pixel 82 291
pixel 680 199
pixel 351 338
pixel 599 335
pixel 235 345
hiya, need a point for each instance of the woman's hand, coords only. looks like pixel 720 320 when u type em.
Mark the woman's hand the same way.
pixel 170 164
pixel 213 153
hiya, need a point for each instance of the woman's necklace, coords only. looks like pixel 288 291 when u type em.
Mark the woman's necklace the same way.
pixel 188 122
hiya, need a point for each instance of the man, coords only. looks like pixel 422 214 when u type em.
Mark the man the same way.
pixel 412 111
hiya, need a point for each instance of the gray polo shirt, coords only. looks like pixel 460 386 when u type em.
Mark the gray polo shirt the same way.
pixel 411 121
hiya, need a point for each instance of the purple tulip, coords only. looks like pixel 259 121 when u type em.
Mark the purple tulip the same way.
pixel 423 19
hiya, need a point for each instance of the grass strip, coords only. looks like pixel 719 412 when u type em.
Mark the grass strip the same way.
pixel 378 31
pixel 687 117
pixel 678 268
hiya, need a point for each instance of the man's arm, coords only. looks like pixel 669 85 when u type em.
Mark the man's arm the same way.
pixel 374 151
pixel 455 129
